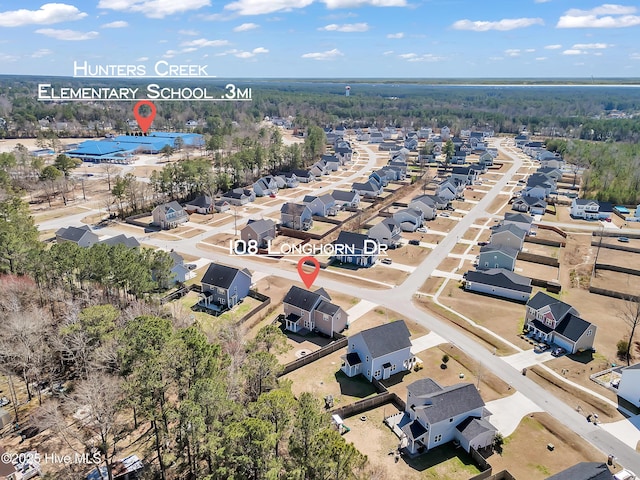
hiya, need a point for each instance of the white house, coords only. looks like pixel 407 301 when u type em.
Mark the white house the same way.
pixel 426 205
pixel 379 352
pixel 629 386
pixel 387 232
pixel 499 283
pixel 410 219
pixel 583 208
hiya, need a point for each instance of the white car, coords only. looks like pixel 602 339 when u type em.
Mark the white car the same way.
pixel 624 475
pixel 421 229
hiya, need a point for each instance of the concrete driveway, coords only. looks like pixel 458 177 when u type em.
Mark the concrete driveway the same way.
pixel 627 430
pixel 507 412
pixel 527 358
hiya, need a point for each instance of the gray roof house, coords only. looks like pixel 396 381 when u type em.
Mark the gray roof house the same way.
pixel 426 204
pixel 304 309
pixel 179 271
pixel 239 196
pixel 368 189
pixel 521 220
pixel 346 199
pixel 495 256
pixel 202 204
pixel 528 204
pixel 584 471
pixel 81 236
pixel 221 205
pixel 265 186
pixel 585 208
pixel 410 219
pixel 379 352
pixel 388 232
pixel 318 169
pixel 499 283
pixel 169 215
pixel 322 206
pixel 290 179
pixel 122 239
pixel 331 162
pixel 509 235
pixel 224 287
pixel 439 415
pixel 260 231
pixel 556 322
pixel 297 216
pixel 304 176
pixel 356 248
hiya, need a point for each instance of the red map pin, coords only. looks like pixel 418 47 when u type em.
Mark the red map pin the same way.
pixel 144 122
pixel 308 278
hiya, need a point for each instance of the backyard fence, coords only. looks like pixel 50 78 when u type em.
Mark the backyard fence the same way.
pixel 312 357
pixel 617 268
pixel 368 404
pixel 541 259
pixel 612 246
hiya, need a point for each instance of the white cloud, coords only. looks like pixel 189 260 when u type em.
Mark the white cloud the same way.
pixel 555 46
pixel 47 14
pixel 69 35
pixel 396 35
pixel 408 56
pixel 591 46
pixel 245 27
pixel 154 8
pixel 245 54
pixel 388 52
pixel 328 55
pixel 574 51
pixel 189 50
pixel 512 52
pixel 604 16
pixel 501 25
pixel 260 7
pixel 43 52
pixel 496 58
pixel 116 24
pixel 6 57
pixel 634 56
pixel 142 59
pixel 346 27
pixel 540 59
pixel 203 42
pixel 170 53
pixel 530 50
pixel 414 57
pixel 190 33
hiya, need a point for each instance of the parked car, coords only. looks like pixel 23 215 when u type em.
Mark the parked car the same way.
pixel 273 195
pixel 608 219
pixel 4 401
pixel 541 347
pixel 623 239
pixel 558 352
pixel 387 261
pixel 624 475
pixel 191 266
pixel 445 215
pixel 482 244
pixel 421 229
pixel 414 242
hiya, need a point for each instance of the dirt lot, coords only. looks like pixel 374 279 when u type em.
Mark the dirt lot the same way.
pixel 411 255
pixel 376 273
pixel 449 264
pixel 499 315
pixel 498 203
pixel 620 258
pixel 431 285
pixel 532 436
pixel 544 250
pixel 536 270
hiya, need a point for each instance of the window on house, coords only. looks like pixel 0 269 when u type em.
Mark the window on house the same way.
pixel 589 333
pixel 450 420
pixel 367 358
pixel 438 438
pixel 368 373
pixel 377 374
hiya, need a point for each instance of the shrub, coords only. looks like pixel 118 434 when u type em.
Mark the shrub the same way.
pixel 622 346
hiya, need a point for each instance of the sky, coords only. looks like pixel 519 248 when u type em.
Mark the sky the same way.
pixel 325 38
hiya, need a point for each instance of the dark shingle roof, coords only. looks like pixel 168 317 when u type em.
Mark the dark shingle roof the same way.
pixel 424 387
pixel 301 298
pixel 367 187
pixel 203 201
pixel 558 308
pixel 260 226
pixel 387 338
pixel 451 401
pixel 510 227
pixel 73 234
pixel 221 275
pixel 510 252
pixel 414 430
pixel 129 242
pixel 342 196
pixel 584 471
pixel 295 209
pixel 518 217
pixel 327 307
pixel 572 327
pixel 352 239
pixel 472 427
pixel 499 277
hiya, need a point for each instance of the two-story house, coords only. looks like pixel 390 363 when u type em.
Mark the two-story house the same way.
pixel 520 220
pixel 410 219
pixel 290 179
pixel 443 414
pixel 556 322
pixel 321 206
pixel 81 236
pixel 169 215
pixel 304 309
pixel 496 256
pixel 509 235
pixel 296 216
pixel 202 204
pixel 584 208
pixel 531 205
pixel 224 287
pixel 388 232
pixel 379 352
pixel 356 248
pixel 265 186
pixel 368 189
pixel 262 231
pixel 629 386
pixel 346 199
pixel 426 205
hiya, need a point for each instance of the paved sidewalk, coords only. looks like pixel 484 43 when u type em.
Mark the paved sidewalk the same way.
pixel 508 412
pixel 527 358
pixel 359 309
pixel 426 342
pixel 627 430
pixel 449 275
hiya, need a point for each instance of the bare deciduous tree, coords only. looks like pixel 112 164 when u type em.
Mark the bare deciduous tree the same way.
pixel 630 314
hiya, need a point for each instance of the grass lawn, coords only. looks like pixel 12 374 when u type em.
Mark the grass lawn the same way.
pixel 444 463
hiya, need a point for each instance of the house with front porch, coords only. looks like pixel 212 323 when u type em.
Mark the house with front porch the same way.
pixel 346 199
pixel 426 205
pixel 379 352
pixel 265 186
pixel 556 322
pixel 169 215
pixel 387 232
pixel 531 205
pixel 584 208
pixel 224 287
pixel 439 415
pixel 321 206
pixel 486 159
pixel 304 309
pixel 410 219
pixel 261 231
pixel 356 248
pixel 296 216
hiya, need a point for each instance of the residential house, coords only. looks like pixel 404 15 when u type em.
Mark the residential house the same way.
pixel 584 208
pixel 379 177
pixel 296 216
pixel 411 144
pixel 356 248
pixel 221 205
pixel 265 186
pixel 521 140
pixel 304 309
pixel 629 386
pixel 531 205
pixel 331 163
pixel 129 242
pixel 459 157
pixel 550 172
pixel 440 415
pixel 450 189
pixel 555 162
pixel 180 273
pixel 486 159
pixel 553 321
pixel 81 236
pixel 239 196
pixel 368 189
pixel 376 137
pixel 445 133
pixel 379 352
pixel 400 166
pixel 346 199
pixel 169 215
pixel 290 179
pixel 439 202
pixel 585 471
pixel 465 175
pixel 389 173
pixel 521 220
pixel 322 206
pixel 410 219
pixel 262 231
pixel 509 235
pixel 344 153
pixel 426 205
pixel 202 204
pixel 494 256
pixel 318 169
pixel 304 176
pixel 387 232
pixel 224 286
pixel 499 283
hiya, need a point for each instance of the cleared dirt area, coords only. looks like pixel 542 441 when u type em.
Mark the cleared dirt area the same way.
pixel 411 255
pixel 449 264
pixel 498 203
pixel 538 249
pixel 499 315
pixel 618 282
pixel 536 270
pixel 619 258
pixel 532 436
pixel 578 367
pixel 431 285
pixel 376 273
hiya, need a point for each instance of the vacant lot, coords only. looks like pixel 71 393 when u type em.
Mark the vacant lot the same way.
pixel 411 255
pixel 377 273
pixel 532 436
pixel 536 270
pixel 498 203
pixel 619 258
pixel 618 282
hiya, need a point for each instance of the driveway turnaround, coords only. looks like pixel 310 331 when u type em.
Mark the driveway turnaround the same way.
pixel 507 412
